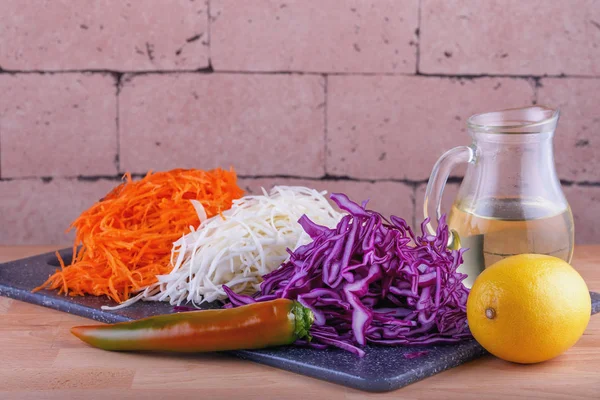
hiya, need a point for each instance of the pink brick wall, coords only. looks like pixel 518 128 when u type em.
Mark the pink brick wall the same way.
pixel 359 96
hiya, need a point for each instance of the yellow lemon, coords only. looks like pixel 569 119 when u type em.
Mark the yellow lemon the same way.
pixel 528 308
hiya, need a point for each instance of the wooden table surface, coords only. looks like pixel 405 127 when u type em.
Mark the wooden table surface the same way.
pixel 40 359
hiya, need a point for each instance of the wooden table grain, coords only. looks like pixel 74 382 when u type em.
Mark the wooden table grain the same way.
pixel 39 359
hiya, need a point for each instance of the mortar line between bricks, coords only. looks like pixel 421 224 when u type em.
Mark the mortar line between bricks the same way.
pixel 536 88
pixel 204 70
pixel 418 34
pixel 324 178
pixel 210 70
pixel 117 125
pixel 208 31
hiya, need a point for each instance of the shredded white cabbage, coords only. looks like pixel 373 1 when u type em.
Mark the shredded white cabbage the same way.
pixel 236 249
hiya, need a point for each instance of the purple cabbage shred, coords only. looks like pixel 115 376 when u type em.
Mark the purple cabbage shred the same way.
pixel 372 281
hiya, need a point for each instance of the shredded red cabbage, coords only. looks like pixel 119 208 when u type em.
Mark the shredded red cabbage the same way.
pixel 372 281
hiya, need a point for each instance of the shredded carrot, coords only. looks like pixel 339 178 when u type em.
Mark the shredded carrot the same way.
pixel 125 239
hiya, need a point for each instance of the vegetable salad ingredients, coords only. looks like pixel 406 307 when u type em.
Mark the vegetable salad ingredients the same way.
pixel 239 246
pixel 372 281
pixel 274 323
pixel 127 237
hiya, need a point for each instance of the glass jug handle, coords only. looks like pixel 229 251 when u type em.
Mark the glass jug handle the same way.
pixel 437 182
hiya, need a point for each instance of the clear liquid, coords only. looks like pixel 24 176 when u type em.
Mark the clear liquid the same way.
pixel 496 228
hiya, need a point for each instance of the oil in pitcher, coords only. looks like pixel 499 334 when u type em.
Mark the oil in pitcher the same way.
pixel 501 227
pixel 510 201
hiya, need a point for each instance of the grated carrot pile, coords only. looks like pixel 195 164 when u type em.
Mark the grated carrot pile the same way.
pixel 126 238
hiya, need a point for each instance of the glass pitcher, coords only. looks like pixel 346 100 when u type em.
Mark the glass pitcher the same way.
pixel 510 200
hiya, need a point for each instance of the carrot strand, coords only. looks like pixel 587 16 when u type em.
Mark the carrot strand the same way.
pixel 123 241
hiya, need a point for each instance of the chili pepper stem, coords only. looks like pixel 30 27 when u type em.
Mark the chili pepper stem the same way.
pixel 304 319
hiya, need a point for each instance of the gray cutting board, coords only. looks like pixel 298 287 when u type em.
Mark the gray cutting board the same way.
pixel 382 369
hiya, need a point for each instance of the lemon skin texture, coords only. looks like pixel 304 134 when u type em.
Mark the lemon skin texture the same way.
pixel 528 308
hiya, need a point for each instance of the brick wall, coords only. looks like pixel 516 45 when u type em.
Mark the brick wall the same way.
pixel 357 96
